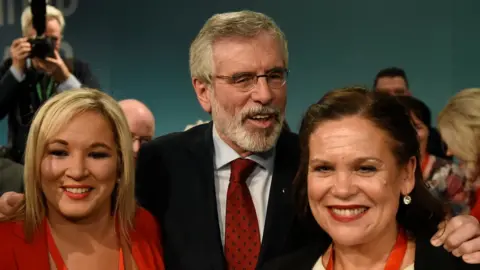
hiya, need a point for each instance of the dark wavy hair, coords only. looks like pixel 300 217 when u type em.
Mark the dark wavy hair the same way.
pixel 418 108
pixel 391 72
pixel 425 212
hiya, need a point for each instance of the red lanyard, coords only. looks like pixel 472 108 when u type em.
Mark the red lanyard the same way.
pixel 57 257
pixel 395 259
pixel 425 162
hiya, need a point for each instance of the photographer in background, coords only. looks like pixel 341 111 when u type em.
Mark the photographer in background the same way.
pixel 28 79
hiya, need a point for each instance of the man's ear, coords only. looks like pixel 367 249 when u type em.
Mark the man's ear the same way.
pixel 203 95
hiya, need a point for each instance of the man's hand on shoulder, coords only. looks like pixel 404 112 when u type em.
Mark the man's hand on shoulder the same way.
pixel 461 236
pixel 10 203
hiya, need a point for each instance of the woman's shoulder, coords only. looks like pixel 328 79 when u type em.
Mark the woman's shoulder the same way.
pixel 146 241
pixel 144 218
pixel 143 215
pixel 9 229
pixel 12 239
pixel 7 259
pixel 428 256
pixel 146 224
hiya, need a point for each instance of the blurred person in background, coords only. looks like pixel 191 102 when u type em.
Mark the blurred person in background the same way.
pixel 446 180
pixel 459 125
pixel 140 121
pixel 394 81
pixel 26 82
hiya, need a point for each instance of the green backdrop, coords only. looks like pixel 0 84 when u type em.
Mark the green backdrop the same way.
pixel 140 49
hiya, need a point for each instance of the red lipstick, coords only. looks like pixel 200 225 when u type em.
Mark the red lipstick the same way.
pixel 77 192
pixel 347 213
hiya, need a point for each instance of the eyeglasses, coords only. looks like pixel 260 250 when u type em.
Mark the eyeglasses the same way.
pixel 140 139
pixel 276 78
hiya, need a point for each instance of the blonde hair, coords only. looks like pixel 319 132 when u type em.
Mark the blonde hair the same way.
pixel 52 13
pixel 459 126
pixel 48 121
pixel 231 24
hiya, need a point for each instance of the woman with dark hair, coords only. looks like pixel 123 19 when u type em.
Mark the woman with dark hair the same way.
pixel 445 180
pixel 359 179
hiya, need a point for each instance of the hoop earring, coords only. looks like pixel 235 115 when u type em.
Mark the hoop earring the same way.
pixel 407 199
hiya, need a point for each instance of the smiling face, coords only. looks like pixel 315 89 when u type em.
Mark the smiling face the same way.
pixel 248 117
pixel 79 169
pixel 354 180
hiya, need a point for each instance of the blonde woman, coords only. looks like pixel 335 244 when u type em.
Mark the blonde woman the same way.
pixel 459 126
pixel 79 210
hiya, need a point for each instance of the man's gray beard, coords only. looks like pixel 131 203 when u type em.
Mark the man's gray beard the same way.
pixel 254 141
pixel 251 141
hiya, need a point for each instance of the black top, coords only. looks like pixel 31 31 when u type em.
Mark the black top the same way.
pixel 427 257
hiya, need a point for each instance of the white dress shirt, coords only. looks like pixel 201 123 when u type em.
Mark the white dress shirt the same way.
pixel 258 182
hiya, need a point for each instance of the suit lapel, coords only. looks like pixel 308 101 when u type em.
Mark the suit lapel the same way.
pixel 203 152
pixel 280 214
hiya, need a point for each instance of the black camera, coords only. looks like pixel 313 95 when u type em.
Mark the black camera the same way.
pixel 42 46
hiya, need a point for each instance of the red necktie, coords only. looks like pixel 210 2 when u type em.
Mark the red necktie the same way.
pixel 242 238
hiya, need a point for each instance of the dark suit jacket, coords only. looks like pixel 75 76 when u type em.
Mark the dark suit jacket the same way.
pixel 11 176
pixel 19 101
pixel 175 182
pixel 427 257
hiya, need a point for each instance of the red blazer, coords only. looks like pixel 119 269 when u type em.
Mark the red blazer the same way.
pixel 476 208
pixel 17 254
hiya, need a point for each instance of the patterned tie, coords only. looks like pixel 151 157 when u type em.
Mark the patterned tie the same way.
pixel 242 237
